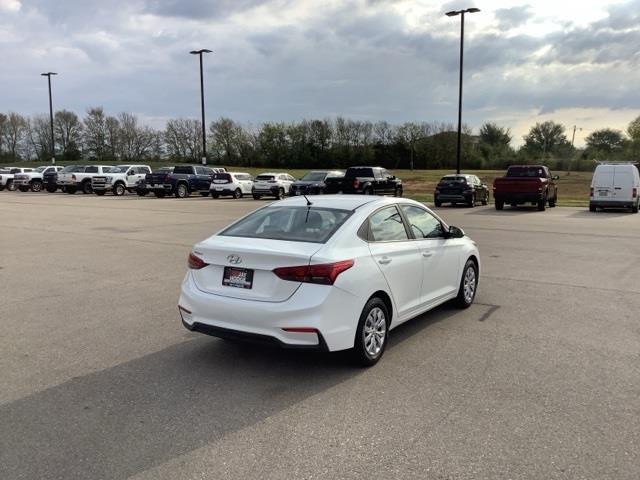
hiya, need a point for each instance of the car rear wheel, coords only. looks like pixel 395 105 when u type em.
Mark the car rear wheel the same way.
pixel 214 195
pixel 23 189
pixel 182 191
pixel 485 199
pixel 70 190
pixel 542 203
pixel 592 208
pixel 86 187
pixel 204 194
pixel 237 193
pixel 468 285
pixel 51 189
pixel 634 209
pixel 11 186
pixel 397 192
pixel 552 201
pixel 472 201
pixel 499 204
pixel 280 194
pixel 142 193
pixel 372 332
pixel 36 186
pixel 100 193
pixel 256 197
pixel 437 203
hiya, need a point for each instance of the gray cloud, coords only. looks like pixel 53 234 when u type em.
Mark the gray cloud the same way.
pixel 508 18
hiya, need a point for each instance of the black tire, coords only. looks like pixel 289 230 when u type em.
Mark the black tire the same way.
pixel 437 203
pixel 542 204
pixel 634 209
pixel 36 186
pixel 160 193
pixel 142 193
pixel 204 194
pixel 256 197
pixel 119 190
pixel 468 285
pixel 182 190
pixel 592 208
pixel 100 193
pixel 71 190
pixel 11 186
pixel 485 200
pixel 397 192
pixel 364 355
pixel 499 204
pixel 472 201
pixel 368 191
pixel 51 189
pixel 237 193
pixel 280 194
pixel 214 195
pixel 552 201
pixel 86 187
pixel 23 189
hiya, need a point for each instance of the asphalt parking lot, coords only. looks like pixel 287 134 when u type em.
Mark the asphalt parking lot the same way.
pixel 539 379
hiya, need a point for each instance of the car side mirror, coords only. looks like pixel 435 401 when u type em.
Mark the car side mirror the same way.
pixel 455 232
pixel 392 177
pixel 555 177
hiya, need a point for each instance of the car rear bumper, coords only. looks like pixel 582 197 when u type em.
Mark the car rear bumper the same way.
pixel 331 311
pixel 452 197
pixel 613 203
pixel 528 197
pixel 266 191
pixel 218 190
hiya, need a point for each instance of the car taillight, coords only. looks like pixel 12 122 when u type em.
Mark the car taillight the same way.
pixel 323 273
pixel 356 183
pixel 195 262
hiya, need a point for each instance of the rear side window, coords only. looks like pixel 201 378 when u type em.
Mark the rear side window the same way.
pixel 297 224
pixel 265 177
pixel 222 176
pixel 386 225
pixel 91 169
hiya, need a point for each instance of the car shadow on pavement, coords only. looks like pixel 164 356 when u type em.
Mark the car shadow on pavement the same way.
pixel 613 213
pixel 508 210
pixel 117 422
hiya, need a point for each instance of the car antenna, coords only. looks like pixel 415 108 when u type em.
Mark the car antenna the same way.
pixel 306 218
pixel 308 201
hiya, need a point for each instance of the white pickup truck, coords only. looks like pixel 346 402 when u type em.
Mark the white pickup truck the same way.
pixel 120 179
pixel 79 177
pixel 33 180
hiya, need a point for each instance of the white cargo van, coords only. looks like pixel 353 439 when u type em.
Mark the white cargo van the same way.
pixel 615 185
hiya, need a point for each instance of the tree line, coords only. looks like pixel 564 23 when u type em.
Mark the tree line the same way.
pixel 326 143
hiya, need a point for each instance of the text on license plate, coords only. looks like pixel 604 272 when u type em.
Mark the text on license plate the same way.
pixel 237 277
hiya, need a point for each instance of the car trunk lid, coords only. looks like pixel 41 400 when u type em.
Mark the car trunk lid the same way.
pixel 260 257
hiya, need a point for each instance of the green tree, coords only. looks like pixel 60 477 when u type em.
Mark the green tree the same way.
pixel 605 141
pixel 547 139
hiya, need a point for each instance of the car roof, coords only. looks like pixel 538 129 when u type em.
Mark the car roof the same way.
pixel 235 173
pixel 273 173
pixel 343 202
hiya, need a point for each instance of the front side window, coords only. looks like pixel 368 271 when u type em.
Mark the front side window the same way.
pixel 422 223
pixel 91 169
pixel 386 225
pixel 298 224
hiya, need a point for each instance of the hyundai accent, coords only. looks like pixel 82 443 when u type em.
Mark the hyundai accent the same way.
pixel 335 273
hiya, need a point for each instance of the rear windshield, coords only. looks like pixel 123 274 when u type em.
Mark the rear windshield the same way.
pixel 536 172
pixel 359 172
pixel 183 169
pixel 164 170
pixel 222 176
pixel 297 224
pixel 265 177
pixel 454 178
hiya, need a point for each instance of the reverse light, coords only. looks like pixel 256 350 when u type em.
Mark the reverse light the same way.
pixel 322 274
pixel 195 262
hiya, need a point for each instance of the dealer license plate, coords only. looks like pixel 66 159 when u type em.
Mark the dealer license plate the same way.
pixel 237 277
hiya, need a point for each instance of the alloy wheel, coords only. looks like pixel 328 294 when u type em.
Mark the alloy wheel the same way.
pixel 375 331
pixel 469 284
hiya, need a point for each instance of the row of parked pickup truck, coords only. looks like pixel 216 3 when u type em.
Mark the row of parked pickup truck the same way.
pixel 184 180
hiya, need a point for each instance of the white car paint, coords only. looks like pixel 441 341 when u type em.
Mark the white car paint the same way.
pixel 416 275
pixel 82 174
pixel 128 176
pixel 222 185
pixel 25 179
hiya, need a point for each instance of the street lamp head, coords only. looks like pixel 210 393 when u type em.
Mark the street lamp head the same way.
pixel 473 10
pixel 453 13
pixel 198 52
pixel 48 74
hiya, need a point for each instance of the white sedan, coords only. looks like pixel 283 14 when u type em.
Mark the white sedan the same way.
pixel 338 272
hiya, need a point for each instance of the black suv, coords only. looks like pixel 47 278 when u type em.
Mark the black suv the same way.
pixel 466 189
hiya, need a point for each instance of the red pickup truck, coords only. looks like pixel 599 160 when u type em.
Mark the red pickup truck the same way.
pixel 526 184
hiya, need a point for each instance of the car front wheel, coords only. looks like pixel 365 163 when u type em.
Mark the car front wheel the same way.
pixel 372 332
pixel 36 186
pixel 182 191
pixel 468 285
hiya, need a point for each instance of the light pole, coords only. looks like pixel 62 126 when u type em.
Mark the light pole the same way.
pixel 204 135
pixel 53 143
pixel 455 13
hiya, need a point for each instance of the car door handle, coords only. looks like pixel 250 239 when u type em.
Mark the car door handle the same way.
pixel 384 261
pixel 618 188
pixel 427 254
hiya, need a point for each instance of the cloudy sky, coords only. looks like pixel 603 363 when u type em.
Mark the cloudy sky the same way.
pixel 575 62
